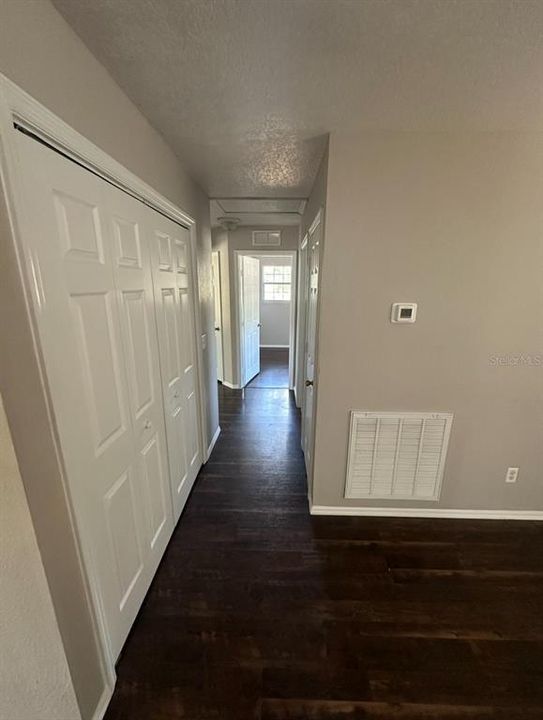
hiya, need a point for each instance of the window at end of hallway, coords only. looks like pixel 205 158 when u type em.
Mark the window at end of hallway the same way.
pixel 276 283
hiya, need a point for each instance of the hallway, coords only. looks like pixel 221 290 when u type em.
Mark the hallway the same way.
pixel 273 369
pixel 259 610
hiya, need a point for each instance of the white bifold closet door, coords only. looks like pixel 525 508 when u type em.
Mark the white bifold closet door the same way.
pixel 89 250
pixel 170 253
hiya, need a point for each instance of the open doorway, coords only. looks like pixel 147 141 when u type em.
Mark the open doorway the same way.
pixel 266 318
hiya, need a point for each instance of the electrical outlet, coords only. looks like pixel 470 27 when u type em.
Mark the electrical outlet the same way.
pixel 512 475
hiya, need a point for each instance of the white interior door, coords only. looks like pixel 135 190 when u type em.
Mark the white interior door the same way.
pixel 90 278
pixel 170 254
pixel 250 316
pixel 216 268
pixel 308 419
pixel 302 298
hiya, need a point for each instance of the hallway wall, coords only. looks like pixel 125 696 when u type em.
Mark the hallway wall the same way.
pixel 227 242
pixel 35 681
pixel 42 54
pixel 453 222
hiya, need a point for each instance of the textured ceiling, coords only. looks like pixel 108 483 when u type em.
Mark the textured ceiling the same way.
pixel 245 91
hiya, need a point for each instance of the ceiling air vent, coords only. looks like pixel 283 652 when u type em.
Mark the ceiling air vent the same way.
pixel 397 455
pixel 266 238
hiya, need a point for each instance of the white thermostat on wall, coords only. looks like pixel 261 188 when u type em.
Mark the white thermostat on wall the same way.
pixel 404 312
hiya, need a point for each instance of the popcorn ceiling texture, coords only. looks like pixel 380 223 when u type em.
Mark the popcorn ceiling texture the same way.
pixel 245 90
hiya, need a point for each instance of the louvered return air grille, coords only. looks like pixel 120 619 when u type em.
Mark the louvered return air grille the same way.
pixel 397 455
pixel 266 238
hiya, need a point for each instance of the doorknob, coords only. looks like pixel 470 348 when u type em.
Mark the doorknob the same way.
pixel 309 383
pixel 259 325
pixel 217 328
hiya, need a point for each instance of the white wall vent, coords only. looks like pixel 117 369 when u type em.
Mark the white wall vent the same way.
pixel 398 456
pixel 266 238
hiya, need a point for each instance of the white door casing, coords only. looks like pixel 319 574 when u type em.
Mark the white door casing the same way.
pixel 308 415
pixel 249 273
pixel 91 279
pixel 170 258
pixel 217 298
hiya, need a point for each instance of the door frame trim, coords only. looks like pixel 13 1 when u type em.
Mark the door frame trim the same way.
pixel 293 309
pixel 17 106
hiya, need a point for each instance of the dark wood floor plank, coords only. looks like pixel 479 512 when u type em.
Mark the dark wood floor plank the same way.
pixel 261 611
pixel 273 369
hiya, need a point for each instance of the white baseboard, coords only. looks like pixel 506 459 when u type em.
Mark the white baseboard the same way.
pixel 275 346
pixel 212 443
pixel 231 385
pixel 103 703
pixel 427 512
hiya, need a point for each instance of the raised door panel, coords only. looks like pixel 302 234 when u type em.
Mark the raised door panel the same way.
pixel 139 355
pixel 127 243
pixel 99 361
pixel 79 228
pixel 124 536
pixel 155 484
pixel 172 348
pixel 179 452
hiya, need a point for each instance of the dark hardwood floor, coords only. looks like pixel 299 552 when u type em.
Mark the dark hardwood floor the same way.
pixel 273 369
pixel 259 610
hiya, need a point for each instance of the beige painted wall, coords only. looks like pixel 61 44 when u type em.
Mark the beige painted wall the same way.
pixel 41 53
pixel 35 683
pixel 227 243
pixel 453 222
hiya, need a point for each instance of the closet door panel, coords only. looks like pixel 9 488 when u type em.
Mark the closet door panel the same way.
pixel 189 381
pixel 68 244
pixel 167 311
pixel 133 281
pixel 90 276
pixel 171 274
pixel 181 245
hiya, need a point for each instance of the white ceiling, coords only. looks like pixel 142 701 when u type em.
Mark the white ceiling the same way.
pixel 246 91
